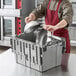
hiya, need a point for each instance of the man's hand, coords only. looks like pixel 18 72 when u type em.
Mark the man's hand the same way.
pixel 31 17
pixel 63 23
pixel 50 28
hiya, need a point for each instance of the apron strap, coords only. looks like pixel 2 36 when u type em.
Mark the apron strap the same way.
pixel 58 5
pixel 49 4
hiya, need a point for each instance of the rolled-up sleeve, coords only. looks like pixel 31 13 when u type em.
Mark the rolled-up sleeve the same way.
pixel 67 12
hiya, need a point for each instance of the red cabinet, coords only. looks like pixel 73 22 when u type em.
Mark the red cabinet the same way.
pixel 19 6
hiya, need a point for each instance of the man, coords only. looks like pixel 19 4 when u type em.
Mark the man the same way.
pixel 58 16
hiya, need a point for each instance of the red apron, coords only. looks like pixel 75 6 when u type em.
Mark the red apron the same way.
pixel 52 18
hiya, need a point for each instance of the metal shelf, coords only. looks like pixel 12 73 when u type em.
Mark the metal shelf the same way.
pixel 5 43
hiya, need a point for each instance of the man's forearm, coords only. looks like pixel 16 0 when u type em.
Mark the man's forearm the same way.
pixel 62 24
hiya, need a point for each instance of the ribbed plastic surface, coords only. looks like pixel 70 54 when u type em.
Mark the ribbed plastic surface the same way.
pixel 38 57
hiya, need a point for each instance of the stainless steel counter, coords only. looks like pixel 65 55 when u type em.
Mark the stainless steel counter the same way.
pixel 9 67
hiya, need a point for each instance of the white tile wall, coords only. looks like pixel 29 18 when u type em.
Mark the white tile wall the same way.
pixel 74 12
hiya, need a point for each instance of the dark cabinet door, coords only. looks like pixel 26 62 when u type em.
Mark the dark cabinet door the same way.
pixel 7 27
pixel 7 2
